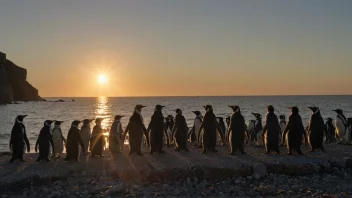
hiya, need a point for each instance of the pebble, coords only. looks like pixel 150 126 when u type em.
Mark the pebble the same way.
pixel 325 185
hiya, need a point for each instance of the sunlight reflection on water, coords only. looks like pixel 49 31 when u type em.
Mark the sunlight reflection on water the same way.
pixel 103 110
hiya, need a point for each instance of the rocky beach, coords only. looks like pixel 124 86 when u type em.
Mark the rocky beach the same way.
pixel 176 174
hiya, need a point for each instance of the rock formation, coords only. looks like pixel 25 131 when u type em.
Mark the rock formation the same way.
pixel 13 83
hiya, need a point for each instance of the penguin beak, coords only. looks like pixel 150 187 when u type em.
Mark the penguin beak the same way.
pixel 24 116
pixel 334 110
pixel 162 106
pixel 254 114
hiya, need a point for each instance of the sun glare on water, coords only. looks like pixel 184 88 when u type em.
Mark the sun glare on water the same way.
pixel 102 79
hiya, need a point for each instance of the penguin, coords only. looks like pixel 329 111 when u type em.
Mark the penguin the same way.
pixel 222 127
pixel 250 129
pixel 294 131
pixel 316 130
pixel 228 119
pixel 342 129
pixel 44 141
pixel 86 134
pixel 97 141
pixel 135 128
pixel 169 126
pixel 156 130
pixel 210 127
pixel 73 141
pixel 329 131
pixel 115 135
pixel 236 130
pixel 18 139
pixel 283 123
pixel 271 131
pixel 180 131
pixel 196 125
pixel 58 139
pixel 257 130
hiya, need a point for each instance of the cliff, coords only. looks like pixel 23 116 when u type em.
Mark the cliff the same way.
pixel 13 83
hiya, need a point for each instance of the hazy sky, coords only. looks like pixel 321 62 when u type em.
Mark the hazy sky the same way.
pixel 181 47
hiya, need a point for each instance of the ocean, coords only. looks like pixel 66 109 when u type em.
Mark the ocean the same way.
pixel 108 107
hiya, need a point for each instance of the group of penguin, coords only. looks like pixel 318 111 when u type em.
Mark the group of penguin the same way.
pixel 174 130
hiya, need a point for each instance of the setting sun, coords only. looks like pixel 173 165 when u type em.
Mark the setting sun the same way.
pixel 102 79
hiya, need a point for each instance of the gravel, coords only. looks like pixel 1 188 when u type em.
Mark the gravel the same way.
pixel 334 184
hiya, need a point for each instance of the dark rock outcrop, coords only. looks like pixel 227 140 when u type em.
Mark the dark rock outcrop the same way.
pixel 13 83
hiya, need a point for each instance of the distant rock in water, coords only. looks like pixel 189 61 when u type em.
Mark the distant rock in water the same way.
pixel 13 83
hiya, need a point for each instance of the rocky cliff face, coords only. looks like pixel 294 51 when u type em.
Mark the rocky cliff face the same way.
pixel 13 83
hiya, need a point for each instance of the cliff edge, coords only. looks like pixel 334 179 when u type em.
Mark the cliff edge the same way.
pixel 13 83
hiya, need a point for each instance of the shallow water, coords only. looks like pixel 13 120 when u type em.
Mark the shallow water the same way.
pixel 83 108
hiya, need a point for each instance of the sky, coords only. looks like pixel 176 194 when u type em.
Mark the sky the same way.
pixel 181 48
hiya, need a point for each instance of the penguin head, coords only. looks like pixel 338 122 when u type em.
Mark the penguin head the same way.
pixel 20 118
pixel 87 121
pixel 58 123
pixel 314 109
pixel 329 120
pixel 118 117
pixel 98 120
pixel 166 119
pixel 75 123
pixel 235 108
pixel 178 111
pixel 338 111
pixel 171 117
pixel 257 115
pixel 197 113
pixel 48 122
pixel 270 109
pixel 294 110
pixel 158 107
pixel 208 107
pixel 139 107
pixel 282 117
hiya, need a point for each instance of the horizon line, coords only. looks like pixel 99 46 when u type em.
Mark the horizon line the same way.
pixel 196 96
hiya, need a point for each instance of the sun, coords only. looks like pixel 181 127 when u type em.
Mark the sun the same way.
pixel 102 79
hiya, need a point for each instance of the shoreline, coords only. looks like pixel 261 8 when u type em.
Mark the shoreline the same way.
pixel 175 167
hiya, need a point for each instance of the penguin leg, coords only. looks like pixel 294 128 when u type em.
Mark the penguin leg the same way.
pixel 12 159
pixel 299 151
pixel 242 150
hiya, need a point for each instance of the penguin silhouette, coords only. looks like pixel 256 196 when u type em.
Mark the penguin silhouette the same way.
pixel 44 141
pixel 115 135
pixel 180 131
pixel 97 140
pixel 18 139
pixel 271 131
pixel 329 129
pixel 136 128
pixel 236 130
pixel 210 128
pixel 58 139
pixel 157 129
pixel 74 140
pixel 195 129
pixel 316 130
pixel 343 131
pixel 86 134
pixel 294 132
